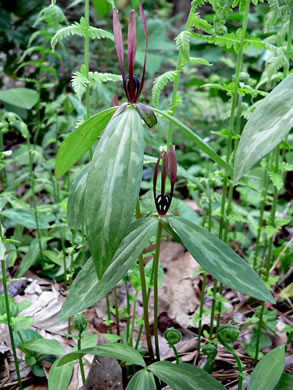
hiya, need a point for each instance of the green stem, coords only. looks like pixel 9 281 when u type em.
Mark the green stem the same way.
pixel 213 309
pixel 130 339
pixel 176 80
pixel 176 354
pixel 270 252
pixel 9 322
pixel 128 310
pixel 117 311
pixel 238 361
pixel 86 62
pixel 32 180
pixel 80 359
pixel 109 313
pixel 156 268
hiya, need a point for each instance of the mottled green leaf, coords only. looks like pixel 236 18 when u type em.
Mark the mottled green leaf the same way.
pixel 112 187
pixel 117 351
pixel 78 142
pixel 268 371
pixel 26 218
pixel 30 257
pixel 143 379
pixel 21 97
pixel 285 382
pixel 184 376
pixel 87 289
pixel 204 147
pixel 266 127
pixel 219 259
pixel 75 204
pixel 59 377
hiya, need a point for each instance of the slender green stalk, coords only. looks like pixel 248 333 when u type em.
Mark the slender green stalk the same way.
pixel 9 322
pixel 109 313
pixel 223 227
pixel 176 354
pixel 138 337
pixel 156 267
pixel 32 180
pixel 117 311
pixel 270 251
pixel 63 252
pixel 128 309
pixel 176 80
pixel 238 362
pixel 213 309
pixel 80 359
pixel 130 339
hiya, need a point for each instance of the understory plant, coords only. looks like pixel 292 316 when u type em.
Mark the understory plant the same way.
pixel 112 222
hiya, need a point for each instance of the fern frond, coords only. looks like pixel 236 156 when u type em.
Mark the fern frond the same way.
pixel 195 60
pixel 98 33
pixel 183 44
pixel 98 78
pixel 160 83
pixel 65 32
pixel 79 82
pixel 201 24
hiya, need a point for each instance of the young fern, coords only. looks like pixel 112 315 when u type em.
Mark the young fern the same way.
pixel 81 30
pixel 183 45
pixel 160 83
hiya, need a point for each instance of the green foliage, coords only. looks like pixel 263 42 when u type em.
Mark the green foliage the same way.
pixel 160 83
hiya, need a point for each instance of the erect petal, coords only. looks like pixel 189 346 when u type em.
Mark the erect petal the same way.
pixel 156 176
pixel 172 167
pixel 118 41
pixel 142 16
pixel 146 114
pixel 131 52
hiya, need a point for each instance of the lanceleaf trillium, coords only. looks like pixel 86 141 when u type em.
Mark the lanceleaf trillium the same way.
pixel 115 172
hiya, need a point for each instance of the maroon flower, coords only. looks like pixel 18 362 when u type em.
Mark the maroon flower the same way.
pixel 163 201
pixel 131 84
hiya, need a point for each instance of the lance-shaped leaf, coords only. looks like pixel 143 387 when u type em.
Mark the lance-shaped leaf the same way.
pixel 268 371
pixel 204 147
pixel 184 376
pixel 78 142
pixel 219 259
pixel 266 127
pixel 117 351
pixel 112 187
pixel 143 379
pixel 75 204
pixel 86 289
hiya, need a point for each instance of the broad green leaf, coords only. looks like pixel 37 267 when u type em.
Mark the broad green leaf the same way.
pixel 21 323
pixel 117 351
pixel 285 382
pixel 112 187
pixel 143 379
pixel 12 306
pixel 78 142
pixel 75 205
pixel 268 371
pixel 26 218
pixel 184 376
pixel 204 147
pixel 30 257
pixel 21 97
pixel 266 127
pixel 219 259
pixel 44 346
pixel 86 289
pixel 59 377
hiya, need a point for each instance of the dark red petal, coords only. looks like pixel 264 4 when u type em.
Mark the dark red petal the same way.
pixel 131 51
pixel 146 114
pixel 142 16
pixel 156 176
pixel 172 167
pixel 118 41
pixel 164 172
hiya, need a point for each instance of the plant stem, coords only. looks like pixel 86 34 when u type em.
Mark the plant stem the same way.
pixel 130 339
pixel 128 310
pixel 9 322
pixel 176 354
pixel 269 256
pixel 213 309
pixel 156 267
pixel 238 362
pixel 109 313
pixel 32 180
pixel 80 358
pixel 176 80
pixel 117 311
pixel 223 228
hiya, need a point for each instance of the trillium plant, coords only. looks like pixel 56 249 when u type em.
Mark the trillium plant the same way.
pixel 108 195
